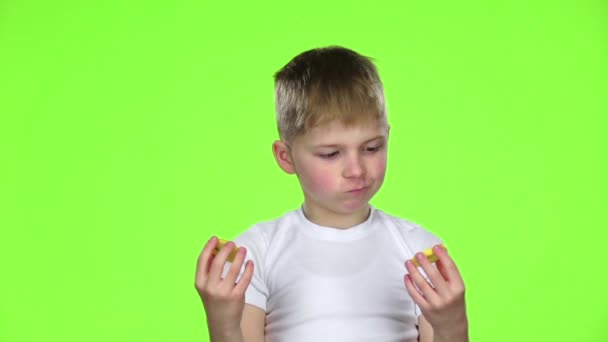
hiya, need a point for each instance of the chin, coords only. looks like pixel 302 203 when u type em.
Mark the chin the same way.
pixel 352 206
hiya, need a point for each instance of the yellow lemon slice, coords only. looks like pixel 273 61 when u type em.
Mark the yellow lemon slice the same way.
pixel 221 244
pixel 429 255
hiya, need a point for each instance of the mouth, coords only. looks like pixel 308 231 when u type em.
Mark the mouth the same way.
pixel 358 190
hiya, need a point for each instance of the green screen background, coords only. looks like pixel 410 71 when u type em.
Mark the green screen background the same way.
pixel 132 131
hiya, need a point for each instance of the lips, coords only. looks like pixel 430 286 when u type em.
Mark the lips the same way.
pixel 357 190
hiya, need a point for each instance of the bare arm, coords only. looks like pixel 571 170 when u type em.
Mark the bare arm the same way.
pixel 425 333
pixel 225 336
pixel 252 327
pixel 253 323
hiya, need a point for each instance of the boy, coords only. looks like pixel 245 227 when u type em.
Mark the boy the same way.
pixel 335 269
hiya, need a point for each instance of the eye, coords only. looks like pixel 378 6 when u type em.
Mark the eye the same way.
pixel 328 155
pixel 374 148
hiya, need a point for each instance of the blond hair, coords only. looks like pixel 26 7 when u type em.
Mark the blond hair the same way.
pixel 326 84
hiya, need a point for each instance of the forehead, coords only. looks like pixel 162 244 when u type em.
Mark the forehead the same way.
pixel 337 133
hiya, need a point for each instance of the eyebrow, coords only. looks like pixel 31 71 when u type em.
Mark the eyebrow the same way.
pixel 338 145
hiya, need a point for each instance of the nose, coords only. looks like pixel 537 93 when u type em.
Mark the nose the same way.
pixel 354 166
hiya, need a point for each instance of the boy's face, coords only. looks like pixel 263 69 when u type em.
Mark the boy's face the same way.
pixel 339 168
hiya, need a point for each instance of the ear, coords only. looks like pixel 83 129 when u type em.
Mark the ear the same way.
pixel 283 157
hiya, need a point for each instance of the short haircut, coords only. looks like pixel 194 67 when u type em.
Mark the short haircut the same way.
pixel 324 84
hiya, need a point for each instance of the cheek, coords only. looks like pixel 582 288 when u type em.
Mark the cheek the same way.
pixel 318 179
pixel 378 167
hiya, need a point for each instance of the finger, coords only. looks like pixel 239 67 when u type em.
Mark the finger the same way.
pixel 436 278
pixel 245 280
pixel 444 272
pixel 447 265
pixel 421 283
pixel 217 266
pixel 204 260
pixel 235 268
pixel 416 295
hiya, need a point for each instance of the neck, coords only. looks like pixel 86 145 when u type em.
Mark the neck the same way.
pixel 332 219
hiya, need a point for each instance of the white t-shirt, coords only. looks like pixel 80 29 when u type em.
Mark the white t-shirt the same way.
pixel 318 283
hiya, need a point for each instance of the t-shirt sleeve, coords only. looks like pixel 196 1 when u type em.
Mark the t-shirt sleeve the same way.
pixel 257 291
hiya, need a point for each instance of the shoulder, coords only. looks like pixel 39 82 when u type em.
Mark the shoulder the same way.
pixel 414 234
pixel 401 223
pixel 260 235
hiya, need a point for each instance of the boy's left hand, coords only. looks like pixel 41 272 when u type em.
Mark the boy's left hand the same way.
pixel 442 299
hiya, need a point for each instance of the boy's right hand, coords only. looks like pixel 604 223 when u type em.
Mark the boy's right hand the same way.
pixel 223 299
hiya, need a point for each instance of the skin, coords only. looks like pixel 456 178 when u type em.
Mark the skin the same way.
pixel 223 299
pixel 330 162
pixel 441 300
